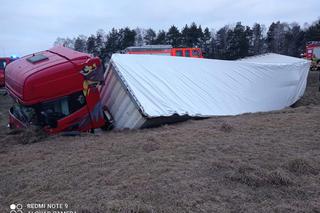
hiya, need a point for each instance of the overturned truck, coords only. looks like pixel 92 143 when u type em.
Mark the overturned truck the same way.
pixel 144 91
pixel 64 90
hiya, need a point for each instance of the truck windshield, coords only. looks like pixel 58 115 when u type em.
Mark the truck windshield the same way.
pixel 43 114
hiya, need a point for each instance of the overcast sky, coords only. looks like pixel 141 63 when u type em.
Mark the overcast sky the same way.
pixel 33 25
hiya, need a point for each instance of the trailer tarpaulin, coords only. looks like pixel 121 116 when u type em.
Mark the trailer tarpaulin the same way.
pixel 164 86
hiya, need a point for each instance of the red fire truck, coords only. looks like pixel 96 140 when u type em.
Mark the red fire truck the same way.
pixel 165 50
pixel 313 54
pixel 58 90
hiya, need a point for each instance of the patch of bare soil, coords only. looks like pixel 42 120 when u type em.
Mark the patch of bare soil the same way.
pixel 263 162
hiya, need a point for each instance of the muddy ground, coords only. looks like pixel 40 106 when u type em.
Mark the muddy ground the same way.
pixel 263 162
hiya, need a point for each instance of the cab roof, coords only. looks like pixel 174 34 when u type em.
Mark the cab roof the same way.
pixel 45 75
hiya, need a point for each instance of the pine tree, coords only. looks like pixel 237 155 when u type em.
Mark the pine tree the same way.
pixel 206 41
pixel 80 43
pixel 91 44
pixel 238 43
pixel 100 45
pixel 276 37
pixel 185 37
pixel 127 38
pixel 112 45
pixel 198 37
pixel 245 43
pixel 220 43
pixel 173 36
pixel 313 32
pixel 294 41
pixel 161 37
pixel 191 36
pixel 299 40
pixel 100 40
pixel 256 40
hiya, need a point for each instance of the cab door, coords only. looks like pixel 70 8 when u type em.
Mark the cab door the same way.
pixel 69 113
pixel 77 121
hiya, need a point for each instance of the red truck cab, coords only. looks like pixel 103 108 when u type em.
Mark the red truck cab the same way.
pixel 56 89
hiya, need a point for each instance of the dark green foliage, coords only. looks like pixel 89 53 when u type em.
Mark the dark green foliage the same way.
pixel 313 32
pixel 206 41
pixel 229 42
pixel 173 36
pixel 238 42
pixel 112 44
pixel 80 44
pixel 161 38
pixel 219 44
pixel 191 36
pixel 127 38
pixel 257 40
pixel 276 37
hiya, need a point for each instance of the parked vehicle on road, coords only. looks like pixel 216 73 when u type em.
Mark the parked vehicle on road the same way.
pixel 313 53
pixel 192 52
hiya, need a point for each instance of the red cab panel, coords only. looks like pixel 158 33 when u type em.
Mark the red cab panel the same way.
pixel 57 90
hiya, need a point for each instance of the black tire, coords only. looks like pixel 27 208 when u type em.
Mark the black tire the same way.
pixel 108 123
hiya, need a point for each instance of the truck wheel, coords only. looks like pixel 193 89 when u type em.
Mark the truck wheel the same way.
pixel 108 121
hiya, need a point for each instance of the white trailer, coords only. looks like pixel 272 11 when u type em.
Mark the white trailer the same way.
pixel 145 90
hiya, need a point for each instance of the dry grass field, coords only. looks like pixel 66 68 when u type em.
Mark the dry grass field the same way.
pixel 262 162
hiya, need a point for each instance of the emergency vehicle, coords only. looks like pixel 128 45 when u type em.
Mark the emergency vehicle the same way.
pixel 313 54
pixel 192 52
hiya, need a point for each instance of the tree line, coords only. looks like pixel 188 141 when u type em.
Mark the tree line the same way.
pixel 229 42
